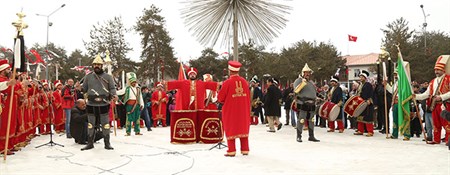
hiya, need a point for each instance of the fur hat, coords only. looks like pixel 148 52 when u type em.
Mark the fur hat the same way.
pixel 335 79
pixel 364 73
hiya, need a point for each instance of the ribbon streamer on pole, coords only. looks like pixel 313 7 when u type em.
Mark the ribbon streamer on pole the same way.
pixel 19 53
pixel 108 63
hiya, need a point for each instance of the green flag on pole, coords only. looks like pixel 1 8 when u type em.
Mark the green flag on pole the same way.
pixel 404 96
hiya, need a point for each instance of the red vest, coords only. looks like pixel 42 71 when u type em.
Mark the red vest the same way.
pixel 443 88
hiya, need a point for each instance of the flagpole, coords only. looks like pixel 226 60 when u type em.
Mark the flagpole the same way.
pixel 348 46
pixel 420 120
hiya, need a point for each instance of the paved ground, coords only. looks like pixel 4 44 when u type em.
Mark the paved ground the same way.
pixel 271 153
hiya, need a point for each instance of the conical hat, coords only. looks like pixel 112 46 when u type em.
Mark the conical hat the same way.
pixel 98 60
pixel 306 69
pixel 442 63
pixel 131 77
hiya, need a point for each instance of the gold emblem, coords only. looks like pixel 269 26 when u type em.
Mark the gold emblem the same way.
pixel 302 121
pixel 212 130
pixel 239 90
pixel 181 132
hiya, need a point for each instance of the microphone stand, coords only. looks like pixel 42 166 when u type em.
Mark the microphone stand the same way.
pixel 52 112
pixel 220 144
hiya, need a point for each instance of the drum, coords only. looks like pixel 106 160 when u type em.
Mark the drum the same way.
pixel 209 126
pixel 329 111
pixel 355 106
pixel 183 126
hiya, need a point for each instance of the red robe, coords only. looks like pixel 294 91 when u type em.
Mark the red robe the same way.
pixel 23 114
pixel 43 100
pixel 195 88
pixel 4 115
pixel 159 111
pixel 58 111
pixel 36 112
pixel 235 96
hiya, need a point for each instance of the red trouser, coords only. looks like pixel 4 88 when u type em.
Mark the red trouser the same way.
pixel 438 123
pixel 339 123
pixel 254 120
pixel 232 145
pixel 369 127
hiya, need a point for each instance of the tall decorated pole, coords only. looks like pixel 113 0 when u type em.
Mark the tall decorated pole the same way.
pixel 214 21
pixel 19 62
pixel 384 53
pixel 108 64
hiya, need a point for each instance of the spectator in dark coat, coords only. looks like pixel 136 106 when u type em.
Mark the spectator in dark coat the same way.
pixel 288 96
pixel 272 106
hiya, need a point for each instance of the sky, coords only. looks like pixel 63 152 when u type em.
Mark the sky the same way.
pixel 320 20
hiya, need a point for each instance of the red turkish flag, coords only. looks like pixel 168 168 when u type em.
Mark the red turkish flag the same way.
pixel 352 38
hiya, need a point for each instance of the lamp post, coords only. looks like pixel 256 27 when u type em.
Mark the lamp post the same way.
pixel 48 25
pixel 424 26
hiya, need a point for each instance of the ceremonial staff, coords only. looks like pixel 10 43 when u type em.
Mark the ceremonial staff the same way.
pixel 18 52
pixel 108 63
pixel 385 78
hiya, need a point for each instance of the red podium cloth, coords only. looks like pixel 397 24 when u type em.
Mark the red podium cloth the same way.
pixel 183 126
pixel 209 127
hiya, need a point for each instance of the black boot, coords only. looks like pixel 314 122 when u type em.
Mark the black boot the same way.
pixel 89 145
pixel 299 132
pixel 107 144
pixel 311 133
pixel 313 139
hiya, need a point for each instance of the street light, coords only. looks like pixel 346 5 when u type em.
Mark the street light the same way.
pixel 48 25
pixel 424 26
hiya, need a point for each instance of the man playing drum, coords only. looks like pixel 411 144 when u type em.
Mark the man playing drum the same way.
pixel 335 96
pixel 305 92
pixel 365 91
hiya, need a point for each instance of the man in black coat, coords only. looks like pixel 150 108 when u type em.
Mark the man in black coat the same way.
pixel 272 106
pixel 78 122
pixel 288 96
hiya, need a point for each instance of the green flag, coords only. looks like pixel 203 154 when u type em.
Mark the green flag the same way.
pixel 404 96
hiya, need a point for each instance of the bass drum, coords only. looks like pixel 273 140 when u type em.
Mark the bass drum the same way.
pixel 355 106
pixel 329 111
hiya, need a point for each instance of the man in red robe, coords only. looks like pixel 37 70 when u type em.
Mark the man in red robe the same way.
pixel 192 90
pixel 57 108
pixel 43 108
pixel 159 105
pixel 5 89
pixel 235 96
